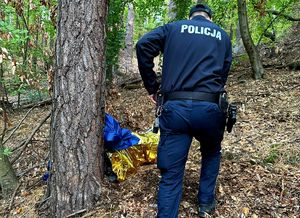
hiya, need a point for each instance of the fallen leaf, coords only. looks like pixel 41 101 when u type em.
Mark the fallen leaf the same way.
pixel 245 211
pixel 19 210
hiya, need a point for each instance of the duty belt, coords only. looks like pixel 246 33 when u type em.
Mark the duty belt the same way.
pixel 199 96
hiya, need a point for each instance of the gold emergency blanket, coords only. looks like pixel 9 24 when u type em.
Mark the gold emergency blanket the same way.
pixel 126 162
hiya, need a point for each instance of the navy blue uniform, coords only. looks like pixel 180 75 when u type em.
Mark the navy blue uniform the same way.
pixel 197 58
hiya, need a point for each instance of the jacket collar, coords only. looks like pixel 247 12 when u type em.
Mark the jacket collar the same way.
pixel 199 17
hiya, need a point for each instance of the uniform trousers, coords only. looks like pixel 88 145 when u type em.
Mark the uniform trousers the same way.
pixel 180 121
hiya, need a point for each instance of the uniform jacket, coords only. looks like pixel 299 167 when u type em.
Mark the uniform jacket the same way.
pixel 196 56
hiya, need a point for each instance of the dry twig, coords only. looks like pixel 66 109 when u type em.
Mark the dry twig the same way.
pixel 38 104
pixel 76 213
pixel 12 200
pixel 19 124
pixel 28 140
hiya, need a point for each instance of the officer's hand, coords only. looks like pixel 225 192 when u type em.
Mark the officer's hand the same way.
pixel 152 98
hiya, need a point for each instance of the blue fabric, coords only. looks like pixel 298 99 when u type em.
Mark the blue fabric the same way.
pixel 115 137
pixel 180 121
pixel 48 173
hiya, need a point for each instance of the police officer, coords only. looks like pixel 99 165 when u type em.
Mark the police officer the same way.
pixel 196 61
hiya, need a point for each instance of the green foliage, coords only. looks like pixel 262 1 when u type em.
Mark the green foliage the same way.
pixel 27 35
pixel 35 96
pixel 15 86
pixel 242 58
pixel 115 35
pixel 7 151
pixel 182 9
pixel 27 30
pixel 148 15
pixel 225 15
pixel 150 8
pixel 273 154
pixel 294 158
pixel 12 36
pixel 224 12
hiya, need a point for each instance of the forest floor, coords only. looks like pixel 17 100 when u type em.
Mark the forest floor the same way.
pixel 259 177
pixel 260 172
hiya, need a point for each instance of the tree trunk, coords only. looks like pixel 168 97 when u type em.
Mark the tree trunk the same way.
pixel 8 179
pixel 252 51
pixel 129 39
pixel 78 108
pixel 239 47
pixel 171 10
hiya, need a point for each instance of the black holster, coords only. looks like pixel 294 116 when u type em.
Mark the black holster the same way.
pixel 229 109
pixel 159 103
pixel 231 118
pixel 223 102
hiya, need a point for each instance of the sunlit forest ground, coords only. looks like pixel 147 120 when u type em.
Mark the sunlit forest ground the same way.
pixel 260 173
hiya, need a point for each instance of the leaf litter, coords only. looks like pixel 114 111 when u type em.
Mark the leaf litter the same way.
pixel 259 176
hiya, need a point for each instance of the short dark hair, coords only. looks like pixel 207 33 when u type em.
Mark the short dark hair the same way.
pixel 201 7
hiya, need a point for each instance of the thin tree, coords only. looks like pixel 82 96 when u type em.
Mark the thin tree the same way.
pixel 171 10
pixel 256 64
pixel 239 47
pixel 78 109
pixel 129 39
pixel 8 179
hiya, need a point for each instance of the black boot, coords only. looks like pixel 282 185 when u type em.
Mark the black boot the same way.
pixel 205 210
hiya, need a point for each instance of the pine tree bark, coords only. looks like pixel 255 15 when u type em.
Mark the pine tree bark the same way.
pixel 78 109
pixel 251 50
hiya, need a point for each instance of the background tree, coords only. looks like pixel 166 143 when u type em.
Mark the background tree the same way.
pixel 171 10
pixel 8 179
pixel 27 41
pixel 128 51
pixel 27 31
pixel 182 8
pixel 252 51
pixel 78 106
pixel 115 36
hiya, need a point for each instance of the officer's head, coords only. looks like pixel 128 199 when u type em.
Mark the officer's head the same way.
pixel 201 9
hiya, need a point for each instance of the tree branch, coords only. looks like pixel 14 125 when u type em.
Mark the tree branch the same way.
pixel 4 124
pixel 280 14
pixel 38 104
pixel 76 213
pixel 18 126
pixel 28 170
pixel 31 136
pixel 12 200
pixel 270 24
